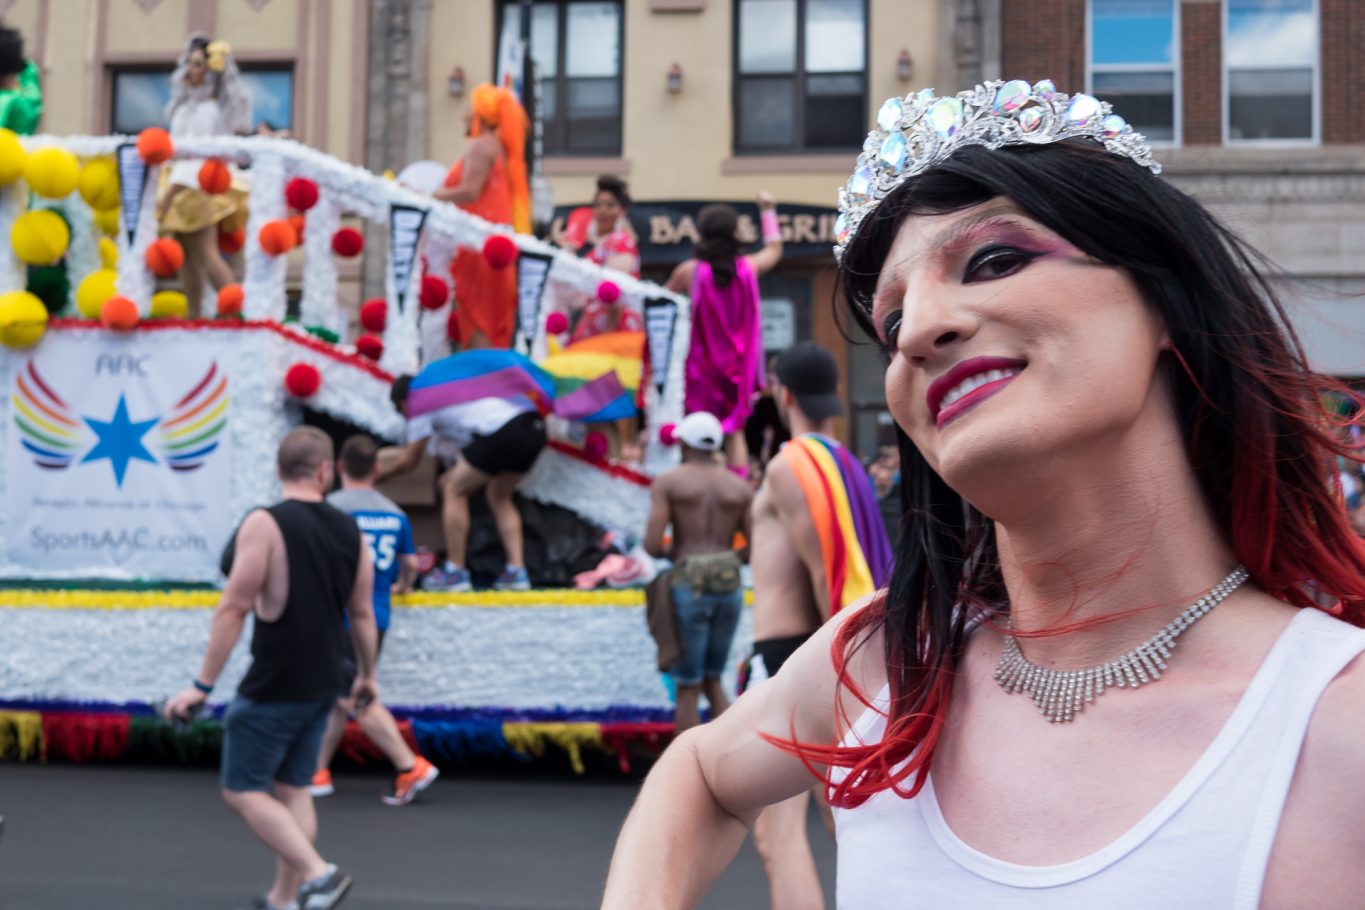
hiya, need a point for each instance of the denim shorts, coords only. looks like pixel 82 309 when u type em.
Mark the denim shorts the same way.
pixel 265 742
pixel 706 627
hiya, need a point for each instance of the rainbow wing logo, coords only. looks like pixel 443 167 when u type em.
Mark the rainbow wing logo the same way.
pixel 47 427
pixel 193 430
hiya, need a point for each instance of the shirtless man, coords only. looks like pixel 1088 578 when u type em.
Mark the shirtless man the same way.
pixel 791 599
pixel 298 565
pixel 706 504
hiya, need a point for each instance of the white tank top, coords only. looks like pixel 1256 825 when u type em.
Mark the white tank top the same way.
pixel 1205 845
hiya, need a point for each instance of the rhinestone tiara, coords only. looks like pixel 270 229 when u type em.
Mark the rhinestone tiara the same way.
pixel 918 131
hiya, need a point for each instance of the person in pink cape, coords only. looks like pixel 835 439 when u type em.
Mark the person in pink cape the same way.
pixel 725 360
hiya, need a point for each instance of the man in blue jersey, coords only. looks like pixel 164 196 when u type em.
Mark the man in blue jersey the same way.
pixel 389 535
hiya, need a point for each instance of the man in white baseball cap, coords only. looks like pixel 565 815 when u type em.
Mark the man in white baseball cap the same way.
pixel 706 505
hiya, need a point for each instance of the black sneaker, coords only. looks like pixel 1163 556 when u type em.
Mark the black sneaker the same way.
pixel 326 892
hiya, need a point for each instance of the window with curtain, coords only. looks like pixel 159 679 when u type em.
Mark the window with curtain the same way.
pixel 1134 46
pixel 800 75
pixel 1271 69
pixel 576 45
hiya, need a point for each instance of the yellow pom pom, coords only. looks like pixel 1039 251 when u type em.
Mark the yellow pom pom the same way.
pixel 99 184
pixel 169 305
pixel 23 319
pixel 108 252
pixel 12 157
pixel 93 290
pixel 107 220
pixel 40 237
pixel 52 172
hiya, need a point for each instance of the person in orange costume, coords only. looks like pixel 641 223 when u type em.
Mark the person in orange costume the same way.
pixel 490 181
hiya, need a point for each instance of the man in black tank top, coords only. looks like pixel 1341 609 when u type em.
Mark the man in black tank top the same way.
pixel 299 566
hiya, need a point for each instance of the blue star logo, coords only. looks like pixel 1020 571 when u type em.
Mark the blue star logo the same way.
pixel 120 440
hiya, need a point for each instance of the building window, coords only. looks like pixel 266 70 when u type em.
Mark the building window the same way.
pixel 1134 46
pixel 140 95
pixel 800 75
pixel 1271 70
pixel 576 46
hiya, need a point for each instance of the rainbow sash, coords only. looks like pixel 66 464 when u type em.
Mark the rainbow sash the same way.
pixel 843 506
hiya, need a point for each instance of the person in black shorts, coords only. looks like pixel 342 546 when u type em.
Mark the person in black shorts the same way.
pixel 299 565
pixel 492 443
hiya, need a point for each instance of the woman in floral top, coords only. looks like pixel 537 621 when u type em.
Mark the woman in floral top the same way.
pixel 611 242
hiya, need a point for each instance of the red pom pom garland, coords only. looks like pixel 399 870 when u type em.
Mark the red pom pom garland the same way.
pixel 371 346
pixel 301 194
pixel 556 323
pixel 434 293
pixel 374 314
pixel 499 251
pixel 608 291
pixel 348 242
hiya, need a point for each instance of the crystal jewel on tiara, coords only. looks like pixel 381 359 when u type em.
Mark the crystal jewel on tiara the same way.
pixel 918 131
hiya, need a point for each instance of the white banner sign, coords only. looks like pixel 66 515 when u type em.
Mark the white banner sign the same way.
pixel 405 230
pixel 118 456
pixel 661 317
pixel 132 177
pixel 532 271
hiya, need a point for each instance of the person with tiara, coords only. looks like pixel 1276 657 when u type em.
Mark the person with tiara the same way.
pixel 1116 664
pixel 725 359
pixel 208 98
pixel 491 182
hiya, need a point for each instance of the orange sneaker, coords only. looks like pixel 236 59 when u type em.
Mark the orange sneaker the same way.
pixel 406 786
pixel 322 784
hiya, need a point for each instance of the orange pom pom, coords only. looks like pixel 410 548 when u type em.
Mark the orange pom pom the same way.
pixel 298 223
pixel 165 257
pixel 230 300
pixel 277 237
pixel 119 314
pixel 214 177
pixel 154 145
pixel 230 242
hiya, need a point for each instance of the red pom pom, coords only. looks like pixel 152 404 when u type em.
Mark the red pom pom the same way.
pixel 608 291
pixel 348 242
pixel 371 346
pixel 230 299
pixel 165 257
pixel 500 251
pixel 119 314
pixel 301 194
pixel 298 223
pixel 595 446
pixel 435 292
pixel 214 177
pixel 668 434
pixel 154 145
pixel 556 323
pixel 230 242
pixel 374 314
pixel 277 237
pixel 302 380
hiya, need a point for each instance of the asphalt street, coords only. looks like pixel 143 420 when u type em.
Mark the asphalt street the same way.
pixel 158 838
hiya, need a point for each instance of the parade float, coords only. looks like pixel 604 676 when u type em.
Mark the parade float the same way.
pixel 136 438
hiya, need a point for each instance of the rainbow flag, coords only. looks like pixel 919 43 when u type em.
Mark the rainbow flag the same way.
pixel 497 373
pixel 843 506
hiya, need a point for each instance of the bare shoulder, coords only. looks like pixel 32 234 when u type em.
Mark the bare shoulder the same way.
pixel 258 525
pixel 1336 737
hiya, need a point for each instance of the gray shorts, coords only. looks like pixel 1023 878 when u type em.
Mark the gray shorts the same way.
pixel 265 742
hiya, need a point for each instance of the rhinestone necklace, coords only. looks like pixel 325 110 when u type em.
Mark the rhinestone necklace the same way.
pixel 1063 694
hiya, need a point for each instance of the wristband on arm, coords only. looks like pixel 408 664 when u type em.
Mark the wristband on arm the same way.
pixel 771 229
pixel 203 687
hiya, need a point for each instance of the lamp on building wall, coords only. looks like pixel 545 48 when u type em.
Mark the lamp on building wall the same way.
pixel 455 82
pixel 905 66
pixel 675 76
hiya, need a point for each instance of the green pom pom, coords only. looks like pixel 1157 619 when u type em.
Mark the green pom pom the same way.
pixel 325 334
pixel 51 285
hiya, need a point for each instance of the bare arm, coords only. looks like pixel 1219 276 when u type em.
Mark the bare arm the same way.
pixel 407 573
pixel 794 513
pixel 660 515
pixel 746 527
pixel 622 262
pixel 360 610
pixel 701 797
pixel 250 568
pixel 478 164
pixel 409 457
pixel 771 254
pixel 681 280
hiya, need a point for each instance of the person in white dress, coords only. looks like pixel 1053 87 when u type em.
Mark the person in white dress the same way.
pixel 1116 665
pixel 208 98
